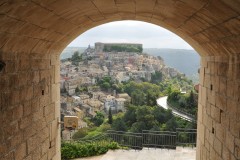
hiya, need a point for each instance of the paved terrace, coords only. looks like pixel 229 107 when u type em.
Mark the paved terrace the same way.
pixel 147 154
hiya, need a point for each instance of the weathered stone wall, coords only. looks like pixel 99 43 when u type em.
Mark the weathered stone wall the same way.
pixel 219 109
pixel 29 104
pixel 33 33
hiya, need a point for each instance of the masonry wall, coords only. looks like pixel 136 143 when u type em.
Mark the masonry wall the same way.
pixel 29 104
pixel 219 109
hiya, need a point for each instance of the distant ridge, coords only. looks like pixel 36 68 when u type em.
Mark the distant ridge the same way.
pixel 184 60
pixel 68 52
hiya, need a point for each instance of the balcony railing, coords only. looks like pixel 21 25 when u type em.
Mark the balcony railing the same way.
pixel 149 139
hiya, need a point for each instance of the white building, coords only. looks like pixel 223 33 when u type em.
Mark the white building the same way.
pixel 67 134
pixel 116 104
pixel 109 101
pixel 119 104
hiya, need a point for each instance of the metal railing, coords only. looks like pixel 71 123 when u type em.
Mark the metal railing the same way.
pixel 186 137
pixel 149 139
pixel 184 112
pixel 158 139
pixel 126 139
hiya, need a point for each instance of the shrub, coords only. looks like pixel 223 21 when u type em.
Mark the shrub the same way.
pixel 85 149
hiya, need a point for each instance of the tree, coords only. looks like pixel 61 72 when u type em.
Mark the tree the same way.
pixel 105 85
pixel 137 127
pixel 152 97
pixel 110 119
pixel 98 119
pixel 77 90
pixel 119 125
pixel 156 77
pixel 171 124
pixel 191 100
pixel 138 97
pixel 80 133
pixel 63 90
pixel 76 57
pixel 174 96
pixel 130 115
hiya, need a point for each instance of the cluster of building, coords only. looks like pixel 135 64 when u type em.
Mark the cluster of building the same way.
pixel 85 105
pixel 99 62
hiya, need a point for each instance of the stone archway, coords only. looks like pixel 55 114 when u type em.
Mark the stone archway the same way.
pixel 34 32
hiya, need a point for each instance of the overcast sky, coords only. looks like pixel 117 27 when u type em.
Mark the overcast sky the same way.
pixel 150 35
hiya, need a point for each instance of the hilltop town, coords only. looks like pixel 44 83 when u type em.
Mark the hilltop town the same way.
pixel 81 93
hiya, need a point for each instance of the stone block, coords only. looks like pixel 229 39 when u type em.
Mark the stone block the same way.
pixel 13 81
pixel 221 102
pixel 225 153
pixel 24 79
pixel 208 109
pixel 44 100
pixel 201 132
pixel 32 143
pixel 225 120
pixel 35 104
pixel 36 154
pixel 203 94
pixel 232 108
pixel 205 153
pixel 27 108
pixel 51 152
pixel 4 83
pixel 50 117
pixel 54 91
pixel 54 129
pixel 14 98
pixel 36 77
pixel 10 130
pixel 45 76
pixel 235 128
pixel 207 81
pixel 211 97
pixel 38 115
pixel 229 141
pixel 56 74
pixel 44 134
pixel 222 69
pixel 212 154
pixel 21 151
pixel 215 114
pixel 26 93
pixel 220 132
pixel 26 121
pixel 45 146
pixel 217 145
pixel 200 113
pixel 29 131
pixel 223 86
pixel 237 148
pixel 18 112
pixel 23 64
pixel 8 156
pixel 44 157
pixel 3 149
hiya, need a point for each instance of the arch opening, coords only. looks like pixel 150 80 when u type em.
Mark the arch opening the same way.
pixel 88 66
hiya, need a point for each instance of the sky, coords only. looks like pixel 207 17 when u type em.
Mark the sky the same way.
pixel 150 35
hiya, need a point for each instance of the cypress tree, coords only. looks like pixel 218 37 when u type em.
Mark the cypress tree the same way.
pixel 110 119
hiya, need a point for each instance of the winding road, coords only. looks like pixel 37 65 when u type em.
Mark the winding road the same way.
pixel 162 102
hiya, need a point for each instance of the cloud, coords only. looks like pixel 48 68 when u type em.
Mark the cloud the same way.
pixel 150 35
